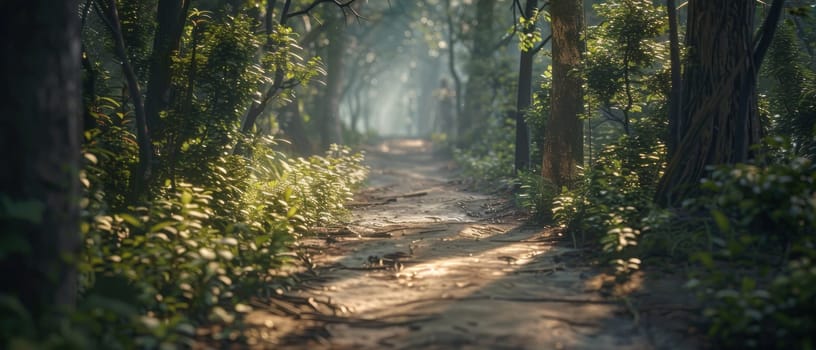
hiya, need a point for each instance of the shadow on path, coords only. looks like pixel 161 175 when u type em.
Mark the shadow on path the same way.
pixel 426 265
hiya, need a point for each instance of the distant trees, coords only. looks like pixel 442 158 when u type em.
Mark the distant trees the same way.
pixel 198 79
pixel 525 89
pixel 477 102
pixel 40 132
pixel 329 123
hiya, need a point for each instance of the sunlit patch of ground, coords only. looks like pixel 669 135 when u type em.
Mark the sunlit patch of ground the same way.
pixel 403 146
pixel 424 264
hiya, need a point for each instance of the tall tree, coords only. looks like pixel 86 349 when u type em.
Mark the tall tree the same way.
pixel 525 92
pixel 170 17
pixel 457 81
pixel 719 120
pixel 141 176
pixel 330 127
pixel 563 136
pixel 477 88
pixel 676 78
pixel 40 130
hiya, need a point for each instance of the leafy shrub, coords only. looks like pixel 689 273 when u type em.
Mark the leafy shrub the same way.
pixel 151 274
pixel 757 280
pixel 492 158
pixel 608 206
pixel 536 194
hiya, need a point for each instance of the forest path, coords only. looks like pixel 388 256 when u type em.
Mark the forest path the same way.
pixel 424 264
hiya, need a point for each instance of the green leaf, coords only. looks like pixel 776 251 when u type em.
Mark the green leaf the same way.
pixel 721 220
pixel 292 211
pixel 130 220
pixel 186 198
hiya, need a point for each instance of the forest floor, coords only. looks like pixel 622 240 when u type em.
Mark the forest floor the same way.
pixel 425 263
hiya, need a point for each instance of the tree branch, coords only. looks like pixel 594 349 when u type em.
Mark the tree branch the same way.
pixel 766 34
pixel 310 7
pixel 541 45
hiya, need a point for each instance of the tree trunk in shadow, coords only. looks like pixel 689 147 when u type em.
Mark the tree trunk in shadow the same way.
pixel 524 97
pixel 170 18
pixel 294 130
pixel 719 120
pixel 330 128
pixel 40 134
pixel 477 88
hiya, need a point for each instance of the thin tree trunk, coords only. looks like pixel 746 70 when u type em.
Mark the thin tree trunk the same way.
pixel 563 140
pixel 40 133
pixel 674 95
pixel 524 96
pixel 457 81
pixel 295 130
pixel 256 108
pixel 170 17
pixel 476 110
pixel 330 128
pixel 140 177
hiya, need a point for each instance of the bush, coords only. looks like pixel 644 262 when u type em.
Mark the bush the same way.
pixel 609 204
pixel 536 194
pixel 756 278
pixel 195 255
pixel 491 159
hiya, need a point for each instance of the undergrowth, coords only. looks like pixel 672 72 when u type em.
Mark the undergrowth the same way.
pixel 152 274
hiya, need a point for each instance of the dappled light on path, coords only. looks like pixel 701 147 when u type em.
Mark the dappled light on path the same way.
pixel 424 263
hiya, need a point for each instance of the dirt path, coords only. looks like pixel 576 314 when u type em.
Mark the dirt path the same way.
pixel 426 265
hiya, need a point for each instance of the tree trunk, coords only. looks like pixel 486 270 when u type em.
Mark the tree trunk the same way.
pixel 141 176
pixel 256 108
pixel 295 130
pixel 477 99
pixel 330 129
pixel 170 16
pixel 524 96
pixel 40 132
pixel 719 119
pixel 563 139
pixel 674 96
pixel 457 81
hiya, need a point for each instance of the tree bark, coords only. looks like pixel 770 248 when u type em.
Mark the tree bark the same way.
pixel 563 138
pixel 170 16
pixel 524 96
pixel 295 130
pixel 477 99
pixel 719 120
pixel 141 176
pixel 40 132
pixel 330 128
pixel 676 81
pixel 457 81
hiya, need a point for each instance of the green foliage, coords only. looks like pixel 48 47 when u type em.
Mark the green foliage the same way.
pixel 745 311
pixel 195 254
pixel 793 91
pixel 624 72
pixel 536 194
pixel 756 276
pixel 615 195
pixel 529 35
pixel 624 63
pixel 491 159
